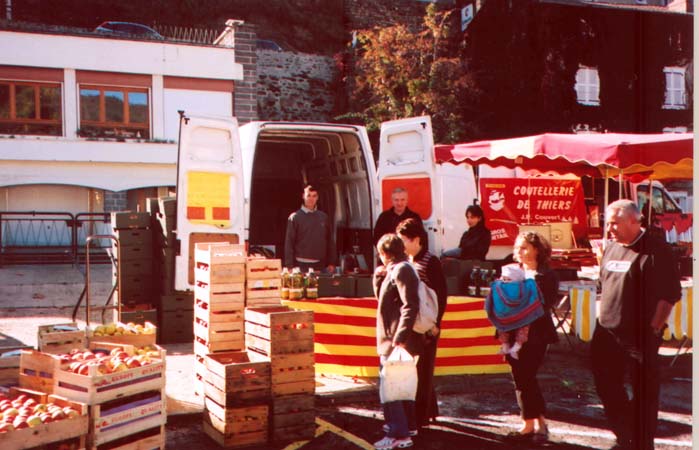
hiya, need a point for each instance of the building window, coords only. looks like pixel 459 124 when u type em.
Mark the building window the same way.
pixel 30 108
pixel 675 92
pixel 107 111
pixel 587 86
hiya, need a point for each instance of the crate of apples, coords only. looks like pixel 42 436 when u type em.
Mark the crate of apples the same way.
pixel 107 371
pixel 124 333
pixel 30 418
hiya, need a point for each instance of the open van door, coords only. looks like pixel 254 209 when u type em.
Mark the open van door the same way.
pixel 406 159
pixel 210 198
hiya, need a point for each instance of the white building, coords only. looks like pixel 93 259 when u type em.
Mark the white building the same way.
pixel 89 123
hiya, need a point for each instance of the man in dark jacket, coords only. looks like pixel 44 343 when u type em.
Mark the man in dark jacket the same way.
pixel 390 218
pixel 309 241
pixel 640 284
pixel 475 242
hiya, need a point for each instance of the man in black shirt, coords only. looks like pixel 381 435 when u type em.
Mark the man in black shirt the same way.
pixel 640 284
pixel 389 219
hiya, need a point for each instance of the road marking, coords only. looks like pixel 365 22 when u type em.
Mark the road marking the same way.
pixel 324 427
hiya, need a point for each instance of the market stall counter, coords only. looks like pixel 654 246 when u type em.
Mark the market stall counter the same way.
pixel 345 337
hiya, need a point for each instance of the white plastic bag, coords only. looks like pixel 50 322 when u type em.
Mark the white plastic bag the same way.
pixel 398 376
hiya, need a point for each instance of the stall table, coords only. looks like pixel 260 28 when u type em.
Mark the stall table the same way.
pixel 345 337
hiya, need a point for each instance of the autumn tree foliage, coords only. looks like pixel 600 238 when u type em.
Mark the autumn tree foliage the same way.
pixel 401 73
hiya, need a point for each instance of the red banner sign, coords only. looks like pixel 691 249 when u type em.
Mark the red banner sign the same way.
pixel 510 202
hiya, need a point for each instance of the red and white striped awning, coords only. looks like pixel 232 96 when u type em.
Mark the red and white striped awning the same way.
pixel 660 155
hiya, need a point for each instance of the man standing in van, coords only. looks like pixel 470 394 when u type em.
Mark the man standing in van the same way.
pixel 309 241
pixel 389 219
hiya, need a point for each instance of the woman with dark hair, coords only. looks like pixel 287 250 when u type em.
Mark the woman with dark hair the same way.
pixel 533 253
pixel 396 287
pixel 430 271
pixel 475 241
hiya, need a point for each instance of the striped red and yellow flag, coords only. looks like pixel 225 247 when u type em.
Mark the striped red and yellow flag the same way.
pixel 345 337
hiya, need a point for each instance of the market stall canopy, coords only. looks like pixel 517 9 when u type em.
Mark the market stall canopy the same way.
pixel 661 155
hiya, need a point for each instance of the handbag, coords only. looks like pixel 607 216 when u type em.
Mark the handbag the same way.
pixel 398 376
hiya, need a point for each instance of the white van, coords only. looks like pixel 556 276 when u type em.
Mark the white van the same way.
pixel 240 184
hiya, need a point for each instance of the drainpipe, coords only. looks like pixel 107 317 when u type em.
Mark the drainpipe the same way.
pixel 8 10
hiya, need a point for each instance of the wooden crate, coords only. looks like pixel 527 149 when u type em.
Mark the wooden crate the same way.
pixel 263 288
pixel 9 364
pixel 263 268
pixel 116 419
pixel 279 330
pixel 51 339
pixel 218 331
pixel 236 427
pixel 177 300
pixel 215 253
pixel 226 292
pixel 220 273
pixel 138 237
pixel 293 418
pixel 97 388
pixel 151 439
pixel 203 347
pixel 179 327
pixel 37 370
pixel 291 374
pixel 148 337
pixel 233 380
pixel 219 312
pixel 128 219
pixel 46 433
pixel 263 302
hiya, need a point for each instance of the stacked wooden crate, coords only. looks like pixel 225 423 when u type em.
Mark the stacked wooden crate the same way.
pixel 284 337
pixel 134 255
pixel 263 282
pixel 237 399
pixel 219 302
pixel 127 406
pixel 176 308
pixel 60 338
pixel 67 431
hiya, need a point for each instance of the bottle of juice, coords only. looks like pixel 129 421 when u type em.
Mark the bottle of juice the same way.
pixel 296 287
pixel 486 279
pixel 286 282
pixel 311 284
pixel 474 287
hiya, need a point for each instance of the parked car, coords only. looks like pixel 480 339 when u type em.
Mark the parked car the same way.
pixel 128 29
pixel 265 44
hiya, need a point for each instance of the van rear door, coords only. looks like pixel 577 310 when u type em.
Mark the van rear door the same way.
pixel 210 197
pixel 406 159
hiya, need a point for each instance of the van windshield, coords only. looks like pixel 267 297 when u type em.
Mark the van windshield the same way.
pixel 660 202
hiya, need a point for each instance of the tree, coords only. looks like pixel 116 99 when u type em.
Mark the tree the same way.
pixel 401 73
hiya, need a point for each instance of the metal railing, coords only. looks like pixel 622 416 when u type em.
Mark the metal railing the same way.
pixel 50 237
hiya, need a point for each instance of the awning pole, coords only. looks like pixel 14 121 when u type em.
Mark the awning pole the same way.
pixel 604 211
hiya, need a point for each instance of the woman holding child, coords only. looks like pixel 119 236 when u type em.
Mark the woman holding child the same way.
pixel 533 253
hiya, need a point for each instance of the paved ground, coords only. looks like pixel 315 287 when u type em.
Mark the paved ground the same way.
pixel 476 411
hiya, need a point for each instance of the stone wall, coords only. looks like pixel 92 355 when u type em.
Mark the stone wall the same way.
pixel 115 201
pixel 245 93
pixel 295 86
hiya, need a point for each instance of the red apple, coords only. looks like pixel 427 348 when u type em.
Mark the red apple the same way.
pixel 20 422
pixel 58 415
pixel 11 412
pixel 88 355
pixel 84 369
pixel 5 427
pixel 70 412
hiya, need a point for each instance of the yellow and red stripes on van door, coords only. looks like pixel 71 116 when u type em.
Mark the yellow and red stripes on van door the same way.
pixel 208 198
